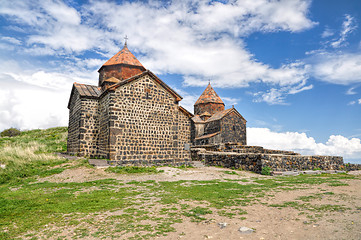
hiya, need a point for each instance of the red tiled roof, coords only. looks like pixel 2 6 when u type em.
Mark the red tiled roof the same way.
pixel 209 96
pixel 124 56
pixel 207 114
pixel 87 90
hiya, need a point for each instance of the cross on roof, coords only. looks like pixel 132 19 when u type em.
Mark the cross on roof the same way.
pixel 126 39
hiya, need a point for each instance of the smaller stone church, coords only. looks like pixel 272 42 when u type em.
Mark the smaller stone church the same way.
pixel 132 117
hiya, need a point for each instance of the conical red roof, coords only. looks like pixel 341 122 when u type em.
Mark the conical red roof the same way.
pixel 124 56
pixel 209 96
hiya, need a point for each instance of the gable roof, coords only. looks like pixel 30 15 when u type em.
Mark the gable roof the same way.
pixel 185 111
pixel 84 90
pixel 222 114
pixel 87 90
pixel 197 119
pixel 152 75
pixel 209 96
pixel 124 56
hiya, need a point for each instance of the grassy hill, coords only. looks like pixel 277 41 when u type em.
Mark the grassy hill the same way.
pixel 31 153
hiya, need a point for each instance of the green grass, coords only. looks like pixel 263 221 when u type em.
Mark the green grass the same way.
pixel 143 209
pixel 230 172
pixel 31 154
pixel 27 208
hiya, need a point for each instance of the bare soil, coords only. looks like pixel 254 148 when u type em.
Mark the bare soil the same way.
pixel 267 222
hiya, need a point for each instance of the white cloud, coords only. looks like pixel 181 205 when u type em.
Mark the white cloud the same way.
pixel 11 40
pixel 300 142
pixel 277 96
pixel 359 101
pixel 351 91
pixel 327 33
pixel 198 39
pixel 348 26
pixel 27 107
pixel 193 38
pixel 338 68
pixel 36 99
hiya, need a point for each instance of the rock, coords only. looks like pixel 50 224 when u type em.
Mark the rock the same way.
pixel 245 230
pixel 222 225
pixel 3 166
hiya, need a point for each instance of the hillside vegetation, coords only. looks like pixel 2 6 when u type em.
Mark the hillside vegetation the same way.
pixel 31 153
pixel 43 196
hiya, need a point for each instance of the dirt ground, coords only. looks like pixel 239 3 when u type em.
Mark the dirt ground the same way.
pixel 267 222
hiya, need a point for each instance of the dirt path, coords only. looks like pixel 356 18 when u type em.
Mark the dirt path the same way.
pixel 268 222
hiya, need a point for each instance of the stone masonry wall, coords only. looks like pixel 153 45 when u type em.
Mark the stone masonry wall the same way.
pixel 88 129
pixel 212 108
pixel 74 124
pixel 212 127
pixel 146 126
pixel 255 162
pixel 233 129
pixel 103 113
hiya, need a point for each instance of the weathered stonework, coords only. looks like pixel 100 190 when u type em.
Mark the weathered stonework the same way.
pixel 277 162
pixel 133 118
pixel 132 121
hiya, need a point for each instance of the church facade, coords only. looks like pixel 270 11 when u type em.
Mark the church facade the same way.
pixel 134 118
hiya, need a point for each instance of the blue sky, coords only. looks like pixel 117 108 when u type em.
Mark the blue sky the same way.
pixel 292 68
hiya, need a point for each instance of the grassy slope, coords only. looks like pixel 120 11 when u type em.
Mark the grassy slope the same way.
pixel 31 153
pixel 115 208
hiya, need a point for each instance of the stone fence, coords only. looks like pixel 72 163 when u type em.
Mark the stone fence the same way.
pixel 277 162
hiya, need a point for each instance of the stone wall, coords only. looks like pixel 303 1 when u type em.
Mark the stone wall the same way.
pixel 278 162
pixel 212 108
pixel 88 128
pixel 212 127
pixel 74 123
pixel 145 125
pixel 233 129
pixel 103 113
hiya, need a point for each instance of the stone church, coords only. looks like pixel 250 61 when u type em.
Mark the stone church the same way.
pixel 133 117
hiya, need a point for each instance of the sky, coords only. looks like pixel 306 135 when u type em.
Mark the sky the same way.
pixel 292 68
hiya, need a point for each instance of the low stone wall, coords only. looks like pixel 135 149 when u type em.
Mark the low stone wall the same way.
pixel 299 162
pixel 148 163
pixel 278 162
pixel 352 167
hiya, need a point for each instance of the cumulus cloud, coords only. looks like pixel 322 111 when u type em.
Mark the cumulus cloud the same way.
pixel 337 68
pixel 27 107
pixel 300 142
pixel 195 38
pixel 35 99
pixel 200 40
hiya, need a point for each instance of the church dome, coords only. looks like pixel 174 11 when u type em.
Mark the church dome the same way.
pixel 121 66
